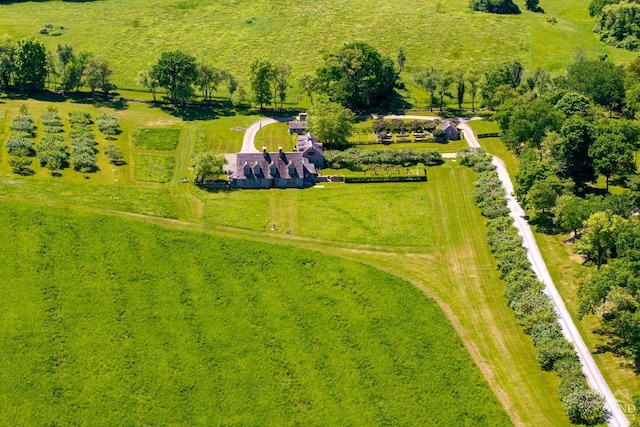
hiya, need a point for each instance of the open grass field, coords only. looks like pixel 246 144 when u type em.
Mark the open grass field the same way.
pixel 132 34
pixel 172 327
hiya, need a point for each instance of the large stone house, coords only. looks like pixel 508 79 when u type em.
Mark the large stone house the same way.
pixel 273 170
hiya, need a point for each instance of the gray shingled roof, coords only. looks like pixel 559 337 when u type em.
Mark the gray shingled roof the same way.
pixel 281 161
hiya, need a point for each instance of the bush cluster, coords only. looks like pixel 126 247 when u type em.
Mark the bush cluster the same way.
pixel 108 124
pixel 369 179
pixel 400 126
pixel 51 121
pixel 83 155
pixel 354 159
pixel 23 123
pixel 533 309
pixel 20 144
pixel 52 152
pixel 506 7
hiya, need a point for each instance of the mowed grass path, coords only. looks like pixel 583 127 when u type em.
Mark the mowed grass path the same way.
pixel 108 320
pixel 132 34
pixel 438 244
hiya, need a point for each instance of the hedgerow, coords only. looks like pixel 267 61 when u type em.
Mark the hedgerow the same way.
pixel 533 309
pixel 354 159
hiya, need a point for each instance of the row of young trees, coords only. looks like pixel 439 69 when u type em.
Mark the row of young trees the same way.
pixel 533 309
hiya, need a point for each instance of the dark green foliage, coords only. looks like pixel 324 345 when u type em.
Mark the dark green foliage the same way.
pixel 354 159
pixel 617 24
pixel 501 77
pixel 573 153
pixel 260 75
pixel 382 178
pixel 30 63
pixel 574 103
pixel 533 309
pixel 602 81
pixel 506 7
pixel 527 122
pixel 596 6
pixel 125 299
pixel 176 71
pixel 358 77
pixel 533 5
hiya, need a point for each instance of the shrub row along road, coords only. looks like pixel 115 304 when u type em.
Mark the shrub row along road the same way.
pixel 589 367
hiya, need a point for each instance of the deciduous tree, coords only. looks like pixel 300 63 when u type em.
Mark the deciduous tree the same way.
pixel 30 63
pixel 260 76
pixel 330 122
pixel 176 71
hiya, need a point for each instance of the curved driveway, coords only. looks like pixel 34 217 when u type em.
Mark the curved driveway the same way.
pixel 248 144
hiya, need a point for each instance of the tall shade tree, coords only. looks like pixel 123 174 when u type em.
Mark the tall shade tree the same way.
pixel 474 79
pixel 30 63
pixel 309 84
pixel 280 84
pixel 461 87
pixel 176 71
pixel 527 122
pixel 208 165
pixel 146 79
pixel 209 78
pixel 429 81
pixel 571 212
pixel 358 77
pixel 599 237
pixel 443 88
pixel 330 122
pixel 612 155
pixel 98 74
pixel 260 76
pixel 602 81
pixel 572 153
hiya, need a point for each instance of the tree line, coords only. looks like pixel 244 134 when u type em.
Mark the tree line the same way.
pixel 533 309
pixel 567 131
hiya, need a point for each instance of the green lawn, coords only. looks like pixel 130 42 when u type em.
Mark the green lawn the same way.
pixel 133 34
pixel 154 168
pixel 156 138
pixel 147 325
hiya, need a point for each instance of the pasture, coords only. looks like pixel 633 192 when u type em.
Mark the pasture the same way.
pixel 144 324
pixel 231 34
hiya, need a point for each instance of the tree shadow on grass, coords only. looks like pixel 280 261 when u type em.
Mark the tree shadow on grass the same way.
pixel 543 221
